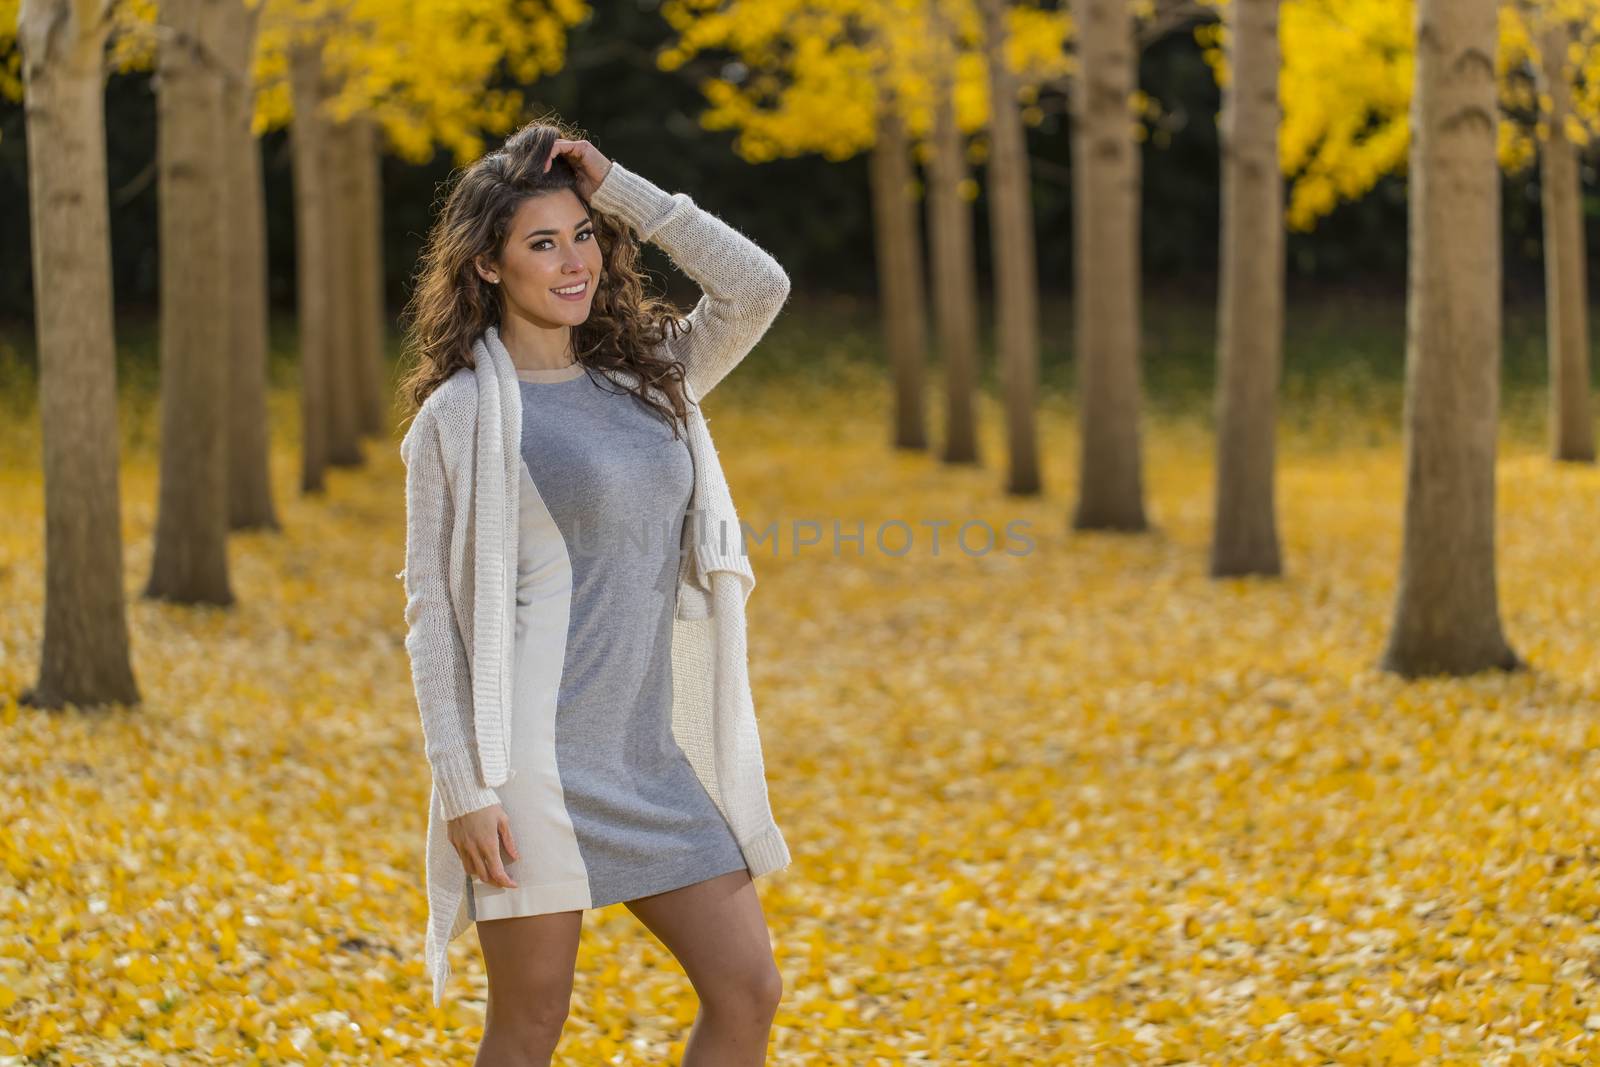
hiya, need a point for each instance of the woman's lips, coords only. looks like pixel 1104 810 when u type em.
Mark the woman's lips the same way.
pixel 579 295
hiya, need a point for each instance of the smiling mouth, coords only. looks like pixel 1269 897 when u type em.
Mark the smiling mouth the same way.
pixel 571 292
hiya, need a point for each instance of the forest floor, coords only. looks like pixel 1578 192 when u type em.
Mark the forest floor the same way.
pixel 1071 803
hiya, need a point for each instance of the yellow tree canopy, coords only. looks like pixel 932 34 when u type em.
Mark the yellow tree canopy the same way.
pixel 10 57
pixel 1345 87
pixel 421 68
pixel 806 73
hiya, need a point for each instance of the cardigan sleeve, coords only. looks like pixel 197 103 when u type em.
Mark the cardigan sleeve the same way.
pixel 439 669
pixel 743 287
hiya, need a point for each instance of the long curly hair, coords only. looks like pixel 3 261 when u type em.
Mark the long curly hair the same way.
pixel 451 305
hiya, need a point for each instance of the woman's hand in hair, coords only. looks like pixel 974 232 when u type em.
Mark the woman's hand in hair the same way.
pixel 477 837
pixel 586 162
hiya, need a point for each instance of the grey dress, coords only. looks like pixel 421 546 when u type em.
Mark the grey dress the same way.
pixel 603 803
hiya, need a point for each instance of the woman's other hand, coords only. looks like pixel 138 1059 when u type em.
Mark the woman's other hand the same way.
pixel 586 162
pixel 477 837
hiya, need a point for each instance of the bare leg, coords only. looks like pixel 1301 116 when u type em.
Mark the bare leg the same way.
pixel 718 933
pixel 530 961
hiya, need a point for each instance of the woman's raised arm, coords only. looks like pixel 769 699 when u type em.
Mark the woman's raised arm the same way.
pixel 744 287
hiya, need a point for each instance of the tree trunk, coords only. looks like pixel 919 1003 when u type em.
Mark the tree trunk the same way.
pixel 84 659
pixel 1446 618
pixel 372 317
pixel 1105 222
pixel 1016 271
pixel 312 267
pixel 1250 303
pixel 250 504
pixel 900 280
pixel 955 284
pixel 190 561
pixel 345 378
pixel 1565 272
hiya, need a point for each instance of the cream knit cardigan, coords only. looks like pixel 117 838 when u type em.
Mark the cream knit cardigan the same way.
pixel 462 453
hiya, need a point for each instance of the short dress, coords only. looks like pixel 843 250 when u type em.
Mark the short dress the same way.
pixel 604 804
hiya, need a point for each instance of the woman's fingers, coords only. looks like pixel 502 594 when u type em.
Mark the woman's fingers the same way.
pixel 484 853
pixel 586 160
pixel 560 147
pixel 482 861
pixel 477 836
pixel 505 836
pixel 469 860
pixel 497 873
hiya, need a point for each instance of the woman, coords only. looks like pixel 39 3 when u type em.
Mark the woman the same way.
pixel 581 680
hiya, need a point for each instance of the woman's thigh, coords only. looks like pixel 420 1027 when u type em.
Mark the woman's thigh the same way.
pixel 530 960
pixel 718 933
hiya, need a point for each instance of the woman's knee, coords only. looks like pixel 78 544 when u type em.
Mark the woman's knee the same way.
pixel 532 1013
pixel 530 1029
pixel 754 992
pixel 770 989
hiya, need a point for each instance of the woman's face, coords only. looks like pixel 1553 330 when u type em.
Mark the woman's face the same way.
pixel 551 245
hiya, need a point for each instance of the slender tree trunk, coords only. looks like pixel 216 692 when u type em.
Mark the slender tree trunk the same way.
pixel 84 659
pixel 250 504
pixel 190 561
pixel 1105 220
pixel 312 271
pixel 1016 270
pixel 1250 305
pixel 1571 432
pixel 372 317
pixel 900 278
pixel 1447 617
pixel 344 356
pixel 955 282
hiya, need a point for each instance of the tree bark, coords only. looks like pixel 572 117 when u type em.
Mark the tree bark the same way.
pixel 345 360
pixel 84 659
pixel 955 283
pixel 312 267
pixel 1250 302
pixel 1105 219
pixel 250 504
pixel 1571 432
pixel 1016 269
pixel 372 317
pixel 190 561
pixel 1446 617
pixel 900 277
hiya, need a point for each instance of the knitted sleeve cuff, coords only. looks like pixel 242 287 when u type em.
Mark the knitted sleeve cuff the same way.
pixel 636 200
pixel 460 791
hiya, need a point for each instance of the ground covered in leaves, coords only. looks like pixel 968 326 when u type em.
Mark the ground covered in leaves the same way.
pixel 1077 805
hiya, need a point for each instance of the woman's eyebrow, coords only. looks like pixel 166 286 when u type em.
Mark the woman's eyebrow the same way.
pixel 575 225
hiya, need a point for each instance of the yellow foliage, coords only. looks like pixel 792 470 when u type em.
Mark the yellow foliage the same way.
pixel 1037 802
pixel 421 67
pixel 10 54
pixel 1345 87
pixel 811 70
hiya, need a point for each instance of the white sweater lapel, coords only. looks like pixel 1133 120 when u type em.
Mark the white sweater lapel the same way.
pixel 496 488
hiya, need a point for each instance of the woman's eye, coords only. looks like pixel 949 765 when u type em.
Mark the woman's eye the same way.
pixel 536 248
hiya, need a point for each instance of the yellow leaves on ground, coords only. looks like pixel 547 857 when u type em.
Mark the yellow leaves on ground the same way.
pixel 1082 805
